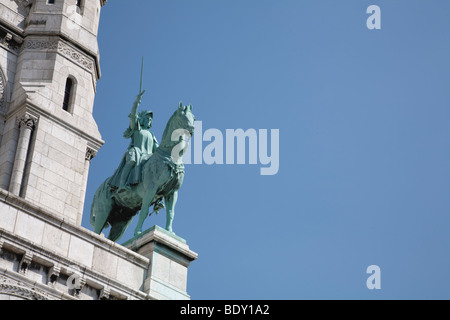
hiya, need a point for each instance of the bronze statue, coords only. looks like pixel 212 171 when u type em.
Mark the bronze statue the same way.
pixel 158 174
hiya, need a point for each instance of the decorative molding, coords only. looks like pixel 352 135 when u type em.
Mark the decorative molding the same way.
pixel 75 55
pixel 36 22
pixel 104 294
pixel 27 121
pixel 25 262
pixel 9 41
pixel 19 289
pixel 90 154
pixel 64 49
pixel 41 45
pixel 53 275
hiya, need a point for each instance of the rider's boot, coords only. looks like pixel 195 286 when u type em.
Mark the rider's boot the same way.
pixel 124 177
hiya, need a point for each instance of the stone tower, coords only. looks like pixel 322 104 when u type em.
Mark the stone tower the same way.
pixel 49 68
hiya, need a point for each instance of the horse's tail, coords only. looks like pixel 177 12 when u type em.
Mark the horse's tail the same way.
pixel 99 202
pixel 92 219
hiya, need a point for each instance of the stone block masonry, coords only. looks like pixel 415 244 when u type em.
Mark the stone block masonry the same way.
pixel 34 243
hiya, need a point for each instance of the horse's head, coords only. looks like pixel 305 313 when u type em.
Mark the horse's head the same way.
pixel 179 127
pixel 184 119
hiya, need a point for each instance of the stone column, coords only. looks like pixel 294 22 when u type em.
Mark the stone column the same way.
pixel 170 258
pixel 90 154
pixel 26 126
pixel 10 138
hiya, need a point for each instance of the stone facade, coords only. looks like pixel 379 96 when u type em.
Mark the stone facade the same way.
pixel 49 68
pixel 44 146
pixel 39 252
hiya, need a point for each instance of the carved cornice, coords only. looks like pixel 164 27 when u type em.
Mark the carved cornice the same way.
pixel 41 45
pixel 64 49
pixel 76 56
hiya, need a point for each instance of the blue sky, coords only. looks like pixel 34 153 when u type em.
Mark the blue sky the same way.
pixel 363 116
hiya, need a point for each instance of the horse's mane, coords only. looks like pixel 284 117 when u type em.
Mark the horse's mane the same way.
pixel 166 130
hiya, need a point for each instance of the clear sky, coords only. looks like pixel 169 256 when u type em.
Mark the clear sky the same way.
pixel 363 117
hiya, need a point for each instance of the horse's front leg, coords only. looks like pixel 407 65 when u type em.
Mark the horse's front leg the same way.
pixel 171 200
pixel 145 210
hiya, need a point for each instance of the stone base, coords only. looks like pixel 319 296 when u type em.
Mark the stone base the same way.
pixel 169 257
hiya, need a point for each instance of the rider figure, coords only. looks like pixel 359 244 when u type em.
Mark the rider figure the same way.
pixel 143 143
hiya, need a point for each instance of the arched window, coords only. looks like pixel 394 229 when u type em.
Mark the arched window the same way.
pixel 68 92
pixel 80 5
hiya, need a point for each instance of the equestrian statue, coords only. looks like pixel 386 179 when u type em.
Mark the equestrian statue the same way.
pixel 148 173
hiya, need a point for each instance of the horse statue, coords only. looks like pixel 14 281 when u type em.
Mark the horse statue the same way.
pixel 162 177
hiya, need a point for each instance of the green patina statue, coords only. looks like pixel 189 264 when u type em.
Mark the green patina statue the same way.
pixel 147 174
pixel 143 143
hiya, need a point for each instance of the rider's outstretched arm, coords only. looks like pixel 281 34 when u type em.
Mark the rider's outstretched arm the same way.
pixel 133 115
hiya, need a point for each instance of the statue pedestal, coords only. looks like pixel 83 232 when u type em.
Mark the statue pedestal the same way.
pixel 169 257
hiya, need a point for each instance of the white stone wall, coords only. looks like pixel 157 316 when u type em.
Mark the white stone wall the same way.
pixel 7 151
pixel 43 67
pixel 57 156
pixel 55 178
pixel 39 252
pixel 8 65
pixel 80 26
pixel 56 171
pixel 8 129
pixel 14 13
pixel 50 242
